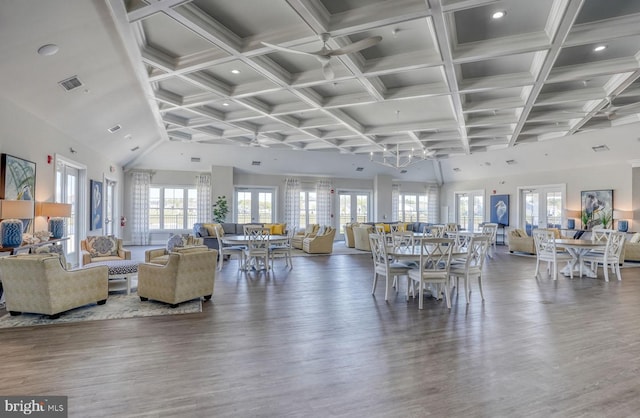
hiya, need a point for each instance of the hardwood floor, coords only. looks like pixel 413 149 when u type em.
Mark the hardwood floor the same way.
pixel 313 342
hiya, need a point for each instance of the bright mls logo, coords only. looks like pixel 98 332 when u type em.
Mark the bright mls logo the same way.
pixel 33 406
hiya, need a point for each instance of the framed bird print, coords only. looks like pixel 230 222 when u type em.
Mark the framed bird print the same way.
pixel 17 180
pixel 499 209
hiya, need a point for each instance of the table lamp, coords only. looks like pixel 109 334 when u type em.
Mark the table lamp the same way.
pixel 571 218
pixel 12 212
pixel 56 212
pixel 622 216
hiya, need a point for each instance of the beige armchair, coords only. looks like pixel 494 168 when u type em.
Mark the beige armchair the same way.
pixel 321 243
pixel 186 276
pixel 361 237
pixel 39 284
pixel 161 255
pixel 102 248
pixel 518 240
pixel 298 238
pixel 348 235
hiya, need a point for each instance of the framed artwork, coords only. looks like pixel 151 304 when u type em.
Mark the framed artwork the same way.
pixel 499 213
pixel 17 181
pixel 96 205
pixel 596 208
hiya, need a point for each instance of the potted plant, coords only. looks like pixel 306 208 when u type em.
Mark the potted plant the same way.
pixel 220 209
pixel 585 217
pixel 605 218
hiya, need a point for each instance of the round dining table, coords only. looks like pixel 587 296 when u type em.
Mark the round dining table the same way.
pixel 578 248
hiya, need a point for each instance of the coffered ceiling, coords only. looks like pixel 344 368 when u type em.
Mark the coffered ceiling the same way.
pixel 446 80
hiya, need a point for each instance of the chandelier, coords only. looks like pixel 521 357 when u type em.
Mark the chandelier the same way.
pixel 401 161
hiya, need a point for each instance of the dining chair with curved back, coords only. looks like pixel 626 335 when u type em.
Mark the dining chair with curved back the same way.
pixel 435 231
pixel 610 258
pixel 383 265
pixel 477 251
pixel 546 250
pixel 491 230
pixel 283 250
pixel 433 268
pixel 229 250
pixel 257 252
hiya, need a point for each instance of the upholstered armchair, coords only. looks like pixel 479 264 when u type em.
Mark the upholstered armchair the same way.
pixel 182 243
pixel 361 237
pixel 321 243
pixel 186 276
pixel 519 241
pixel 348 235
pixel 102 248
pixel 298 238
pixel 39 284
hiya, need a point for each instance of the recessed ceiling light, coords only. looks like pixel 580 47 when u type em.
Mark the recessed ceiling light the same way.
pixel 499 14
pixel 48 49
pixel 225 104
pixel 235 71
pixel 600 48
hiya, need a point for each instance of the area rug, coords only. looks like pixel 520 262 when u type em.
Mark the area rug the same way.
pixel 117 307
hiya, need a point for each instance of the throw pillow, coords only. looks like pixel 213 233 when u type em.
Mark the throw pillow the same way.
pixel 275 229
pixel 202 231
pixel 102 246
pixel 175 241
pixel 53 249
pixel 516 233
pixel 635 238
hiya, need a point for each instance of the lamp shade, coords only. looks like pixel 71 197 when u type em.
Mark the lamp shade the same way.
pixel 575 214
pixel 53 210
pixel 16 209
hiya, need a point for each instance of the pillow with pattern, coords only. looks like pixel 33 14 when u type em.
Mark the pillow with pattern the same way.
pixel 53 249
pixel 102 246
pixel 176 241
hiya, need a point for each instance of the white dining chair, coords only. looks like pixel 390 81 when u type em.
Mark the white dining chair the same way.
pixel 546 251
pixel 282 250
pixel 491 230
pixel 257 252
pixel 229 250
pixel 610 257
pixel 433 269
pixel 383 265
pixel 477 251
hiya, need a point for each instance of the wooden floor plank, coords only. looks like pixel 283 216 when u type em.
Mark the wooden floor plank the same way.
pixel 313 341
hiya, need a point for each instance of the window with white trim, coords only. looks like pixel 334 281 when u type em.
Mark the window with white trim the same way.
pixel 172 207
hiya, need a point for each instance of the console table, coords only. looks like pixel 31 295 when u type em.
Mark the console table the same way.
pixel 25 249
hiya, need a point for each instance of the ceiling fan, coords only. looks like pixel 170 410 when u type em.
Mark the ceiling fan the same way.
pixel 612 112
pixel 255 141
pixel 324 54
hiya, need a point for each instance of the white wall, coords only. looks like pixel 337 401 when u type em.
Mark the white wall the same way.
pixel 617 177
pixel 25 136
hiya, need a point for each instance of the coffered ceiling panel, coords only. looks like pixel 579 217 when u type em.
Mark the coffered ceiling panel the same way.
pixel 344 77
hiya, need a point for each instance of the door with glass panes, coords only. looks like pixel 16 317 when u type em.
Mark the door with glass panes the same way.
pixel 254 205
pixel 354 207
pixel 541 207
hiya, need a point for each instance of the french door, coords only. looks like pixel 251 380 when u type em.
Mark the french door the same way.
pixel 470 209
pixel 109 207
pixel 541 207
pixel 70 178
pixel 254 205
pixel 354 207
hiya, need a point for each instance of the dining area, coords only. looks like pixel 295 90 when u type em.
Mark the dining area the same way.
pixel 257 249
pixel 433 264
pixel 582 257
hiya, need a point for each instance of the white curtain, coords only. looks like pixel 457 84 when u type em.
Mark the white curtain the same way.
pixel 292 203
pixel 203 191
pixel 140 210
pixel 323 196
pixel 433 203
pixel 395 202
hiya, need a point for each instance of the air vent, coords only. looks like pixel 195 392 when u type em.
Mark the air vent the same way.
pixel 135 148
pixel 600 148
pixel 256 162
pixel 359 168
pixel 195 159
pixel 70 83
pixel 403 171
pixel 114 129
pixel 457 170
pixel 510 162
